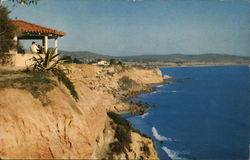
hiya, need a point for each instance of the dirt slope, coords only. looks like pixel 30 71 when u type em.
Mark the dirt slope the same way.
pixel 69 129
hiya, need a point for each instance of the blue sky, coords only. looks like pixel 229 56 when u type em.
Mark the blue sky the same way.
pixel 136 27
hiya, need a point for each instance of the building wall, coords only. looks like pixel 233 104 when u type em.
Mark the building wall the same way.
pixel 22 59
pixel 18 60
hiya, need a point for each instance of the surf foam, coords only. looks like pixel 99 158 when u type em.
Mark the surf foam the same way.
pixel 144 115
pixel 172 154
pixel 158 136
pixel 159 86
pixel 157 91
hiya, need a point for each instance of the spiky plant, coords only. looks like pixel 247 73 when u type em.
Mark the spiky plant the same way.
pixel 47 62
pixel 50 62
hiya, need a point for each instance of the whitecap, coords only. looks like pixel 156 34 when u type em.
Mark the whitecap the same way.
pixel 144 115
pixel 172 154
pixel 158 136
pixel 173 91
pixel 155 92
pixel 159 86
pixel 249 142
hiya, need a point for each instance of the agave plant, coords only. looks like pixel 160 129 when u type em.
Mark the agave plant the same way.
pixel 49 62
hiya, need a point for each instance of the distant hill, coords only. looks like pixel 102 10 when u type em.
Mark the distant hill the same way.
pixel 86 54
pixel 187 58
pixel 210 57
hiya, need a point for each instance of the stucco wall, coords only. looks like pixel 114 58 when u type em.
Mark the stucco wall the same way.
pixel 18 60
pixel 21 59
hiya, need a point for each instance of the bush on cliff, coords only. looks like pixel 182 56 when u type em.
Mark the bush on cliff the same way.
pixel 125 83
pixel 122 133
pixel 120 120
pixel 50 63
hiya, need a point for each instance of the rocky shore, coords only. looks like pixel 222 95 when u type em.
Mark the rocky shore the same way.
pixel 64 128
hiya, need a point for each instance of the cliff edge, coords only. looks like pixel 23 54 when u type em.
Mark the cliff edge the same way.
pixel 64 128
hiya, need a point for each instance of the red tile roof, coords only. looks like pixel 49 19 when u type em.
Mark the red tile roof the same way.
pixel 34 28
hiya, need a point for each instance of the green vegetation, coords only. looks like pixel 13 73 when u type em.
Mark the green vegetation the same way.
pixel 142 104
pixel 122 133
pixel 120 120
pixel 62 77
pixel 125 83
pixel 7 31
pixel 37 83
pixel 139 132
pixel 47 62
pixel 51 64
pixel 145 149
pixel 68 59
pixel 140 107
pixel 77 61
pixel 123 129
pixel 115 62
pixel 24 2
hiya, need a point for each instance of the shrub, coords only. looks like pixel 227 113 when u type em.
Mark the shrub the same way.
pixel 61 76
pixel 50 64
pixel 113 62
pixel 120 120
pixel 116 147
pixel 122 133
pixel 68 59
pixel 125 83
pixel 77 61
pixel 145 149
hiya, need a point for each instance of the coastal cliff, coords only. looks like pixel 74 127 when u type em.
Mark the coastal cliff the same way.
pixel 64 128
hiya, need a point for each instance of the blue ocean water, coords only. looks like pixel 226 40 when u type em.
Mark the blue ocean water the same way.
pixel 203 115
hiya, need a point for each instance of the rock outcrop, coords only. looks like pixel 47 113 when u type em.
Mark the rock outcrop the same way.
pixel 68 129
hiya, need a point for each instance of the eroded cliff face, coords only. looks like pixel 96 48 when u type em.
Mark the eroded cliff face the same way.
pixel 68 129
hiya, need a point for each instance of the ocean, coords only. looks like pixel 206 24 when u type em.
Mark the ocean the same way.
pixel 202 115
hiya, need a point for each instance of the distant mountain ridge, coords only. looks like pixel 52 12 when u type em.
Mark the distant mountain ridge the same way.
pixel 209 57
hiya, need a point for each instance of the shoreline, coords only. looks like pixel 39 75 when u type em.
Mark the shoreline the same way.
pixel 152 89
pixel 188 64
pixel 202 65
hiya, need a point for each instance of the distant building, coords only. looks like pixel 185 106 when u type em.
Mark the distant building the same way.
pixel 101 62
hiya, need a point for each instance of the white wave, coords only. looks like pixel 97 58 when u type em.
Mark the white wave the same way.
pixel 155 92
pixel 249 142
pixel 158 136
pixel 159 86
pixel 172 154
pixel 144 115
pixel 173 91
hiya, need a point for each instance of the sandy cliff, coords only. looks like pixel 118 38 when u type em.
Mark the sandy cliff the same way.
pixel 68 129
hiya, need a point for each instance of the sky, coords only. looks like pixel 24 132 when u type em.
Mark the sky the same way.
pixel 137 27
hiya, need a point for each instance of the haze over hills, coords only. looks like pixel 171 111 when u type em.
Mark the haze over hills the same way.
pixel 209 57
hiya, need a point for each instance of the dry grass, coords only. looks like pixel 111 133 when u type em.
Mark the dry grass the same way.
pixel 37 83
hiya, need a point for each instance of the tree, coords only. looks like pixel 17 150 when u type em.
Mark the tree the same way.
pixel 22 2
pixel 7 28
pixel 7 31
pixel 113 62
